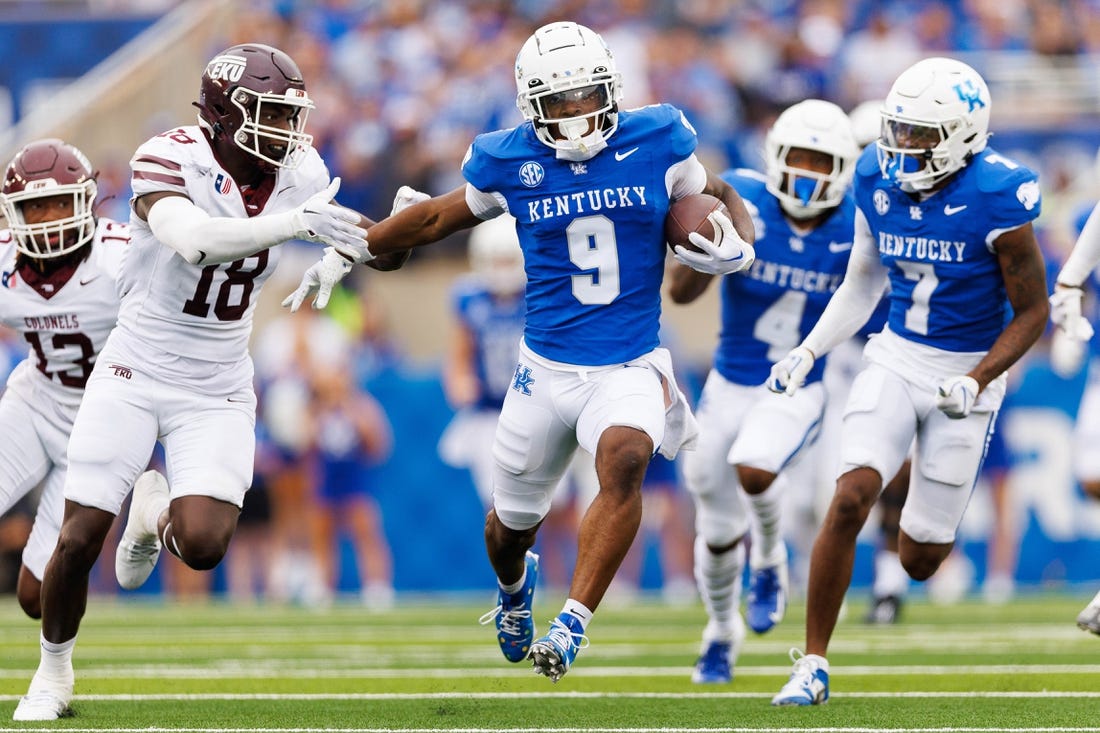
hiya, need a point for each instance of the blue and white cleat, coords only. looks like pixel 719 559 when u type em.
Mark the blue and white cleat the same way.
pixel 809 682
pixel 718 656
pixel 515 626
pixel 767 598
pixel 554 653
pixel 713 666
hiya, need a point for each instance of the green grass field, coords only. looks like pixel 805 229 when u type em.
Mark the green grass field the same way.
pixel 428 666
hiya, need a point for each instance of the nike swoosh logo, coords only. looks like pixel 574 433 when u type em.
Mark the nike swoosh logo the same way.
pixel 230 399
pixel 627 154
pixel 837 247
pixel 85 282
pixel 949 209
pixel 202 256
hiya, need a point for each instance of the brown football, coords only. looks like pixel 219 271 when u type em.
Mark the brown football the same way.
pixel 689 214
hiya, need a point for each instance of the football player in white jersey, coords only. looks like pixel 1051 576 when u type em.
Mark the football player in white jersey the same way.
pixel 589 185
pixel 59 291
pixel 948 221
pixel 1069 348
pixel 211 202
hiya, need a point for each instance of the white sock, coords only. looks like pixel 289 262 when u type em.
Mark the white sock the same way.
pixel 890 577
pixel 767 540
pixel 579 611
pixel 512 588
pixel 719 581
pixel 56 661
pixel 1095 601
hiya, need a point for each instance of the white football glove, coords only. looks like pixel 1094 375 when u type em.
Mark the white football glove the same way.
pixel 956 396
pixel 790 373
pixel 319 280
pixel 406 197
pixel 1067 354
pixel 1065 312
pixel 320 220
pixel 725 254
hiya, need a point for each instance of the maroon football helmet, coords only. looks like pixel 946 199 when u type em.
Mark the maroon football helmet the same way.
pixel 235 86
pixel 49 167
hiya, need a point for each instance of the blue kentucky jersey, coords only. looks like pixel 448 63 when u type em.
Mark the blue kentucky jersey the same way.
pixel 946 288
pixel 592 232
pixel 496 325
pixel 768 309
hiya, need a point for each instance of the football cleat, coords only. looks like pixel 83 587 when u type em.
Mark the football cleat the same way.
pixel 716 660
pixel 1089 619
pixel 767 598
pixel 809 682
pixel 884 610
pixel 515 626
pixel 713 666
pixel 45 700
pixel 139 547
pixel 554 653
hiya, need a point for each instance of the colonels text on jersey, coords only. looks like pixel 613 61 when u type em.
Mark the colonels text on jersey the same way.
pixel 65 318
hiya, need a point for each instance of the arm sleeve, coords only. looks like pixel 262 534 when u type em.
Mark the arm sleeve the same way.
pixel 855 300
pixel 204 240
pixel 686 178
pixel 1085 255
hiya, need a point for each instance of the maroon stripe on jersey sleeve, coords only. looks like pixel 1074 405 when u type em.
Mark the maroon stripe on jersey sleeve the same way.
pixel 159 178
pixel 165 162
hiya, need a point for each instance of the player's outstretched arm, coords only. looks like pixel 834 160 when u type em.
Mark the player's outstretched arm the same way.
pixel 202 239
pixel 422 223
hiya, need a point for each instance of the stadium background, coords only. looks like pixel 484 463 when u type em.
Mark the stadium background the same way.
pixel 402 87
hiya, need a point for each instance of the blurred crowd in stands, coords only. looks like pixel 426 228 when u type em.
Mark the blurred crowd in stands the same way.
pixel 402 87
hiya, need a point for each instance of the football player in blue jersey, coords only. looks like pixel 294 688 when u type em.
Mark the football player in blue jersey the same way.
pixel 804 216
pixel 1068 350
pixel 590 185
pixel 948 221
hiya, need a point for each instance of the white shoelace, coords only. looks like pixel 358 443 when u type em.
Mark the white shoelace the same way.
pixel 510 620
pixel 142 551
pixel 565 638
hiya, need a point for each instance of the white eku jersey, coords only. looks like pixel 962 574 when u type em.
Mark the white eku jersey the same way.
pixel 946 287
pixel 171 308
pixel 592 232
pixel 65 318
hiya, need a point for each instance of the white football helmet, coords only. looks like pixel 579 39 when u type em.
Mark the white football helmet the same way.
pixel 496 257
pixel 812 125
pixel 563 60
pixel 935 118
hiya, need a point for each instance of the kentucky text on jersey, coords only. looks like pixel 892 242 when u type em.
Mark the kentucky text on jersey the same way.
pixel 61 322
pixel 795 278
pixel 920 248
pixel 583 202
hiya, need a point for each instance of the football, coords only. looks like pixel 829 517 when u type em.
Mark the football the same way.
pixel 689 214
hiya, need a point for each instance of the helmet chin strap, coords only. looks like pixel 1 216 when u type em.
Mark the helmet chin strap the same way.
pixel 585 146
